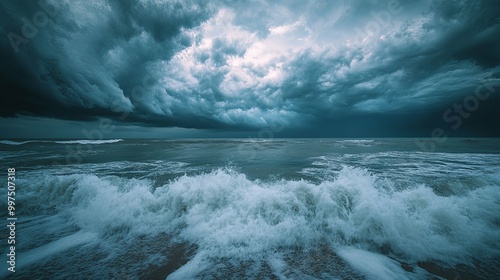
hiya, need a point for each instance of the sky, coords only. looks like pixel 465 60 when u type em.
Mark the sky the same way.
pixel 360 68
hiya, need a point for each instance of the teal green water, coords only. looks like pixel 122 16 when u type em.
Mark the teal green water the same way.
pixel 256 209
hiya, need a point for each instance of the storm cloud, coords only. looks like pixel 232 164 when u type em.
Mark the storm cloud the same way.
pixel 318 68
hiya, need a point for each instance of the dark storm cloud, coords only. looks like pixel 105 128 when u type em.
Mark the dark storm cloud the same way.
pixel 379 67
pixel 86 59
pixel 422 72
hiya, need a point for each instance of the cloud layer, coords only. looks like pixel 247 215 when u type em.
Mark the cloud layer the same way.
pixel 334 65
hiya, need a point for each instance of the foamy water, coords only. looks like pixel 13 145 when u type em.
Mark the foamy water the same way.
pixel 82 142
pixel 204 211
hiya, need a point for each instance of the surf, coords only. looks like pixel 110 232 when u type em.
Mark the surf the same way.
pixel 227 216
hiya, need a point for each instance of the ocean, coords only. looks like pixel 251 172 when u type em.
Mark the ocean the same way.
pixel 253 209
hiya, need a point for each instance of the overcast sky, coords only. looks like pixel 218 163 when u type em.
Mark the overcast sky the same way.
pixel 361 68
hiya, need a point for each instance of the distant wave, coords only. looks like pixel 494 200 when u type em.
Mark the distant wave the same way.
pixel 8 142
pixel 83 142
pixel 355 142
pixel 87 142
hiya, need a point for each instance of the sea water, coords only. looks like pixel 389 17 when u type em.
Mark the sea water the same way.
pixel 254 209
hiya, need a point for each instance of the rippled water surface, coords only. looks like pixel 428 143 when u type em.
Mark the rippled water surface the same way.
pixel 255 209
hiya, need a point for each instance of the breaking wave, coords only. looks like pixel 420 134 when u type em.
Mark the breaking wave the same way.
pixel 226 215
pixel 89 142
pixel 83 142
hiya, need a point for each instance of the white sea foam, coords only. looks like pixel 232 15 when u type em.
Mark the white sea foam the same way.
pixel 377 266
pixel 83 142
pixel 229 216
pixel 27 258
pixel 89 142
pixel 55 247
pixel 355 142
pixel 8 142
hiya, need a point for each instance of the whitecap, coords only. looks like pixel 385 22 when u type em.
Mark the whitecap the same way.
pixel 226 215
pixel 89 142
